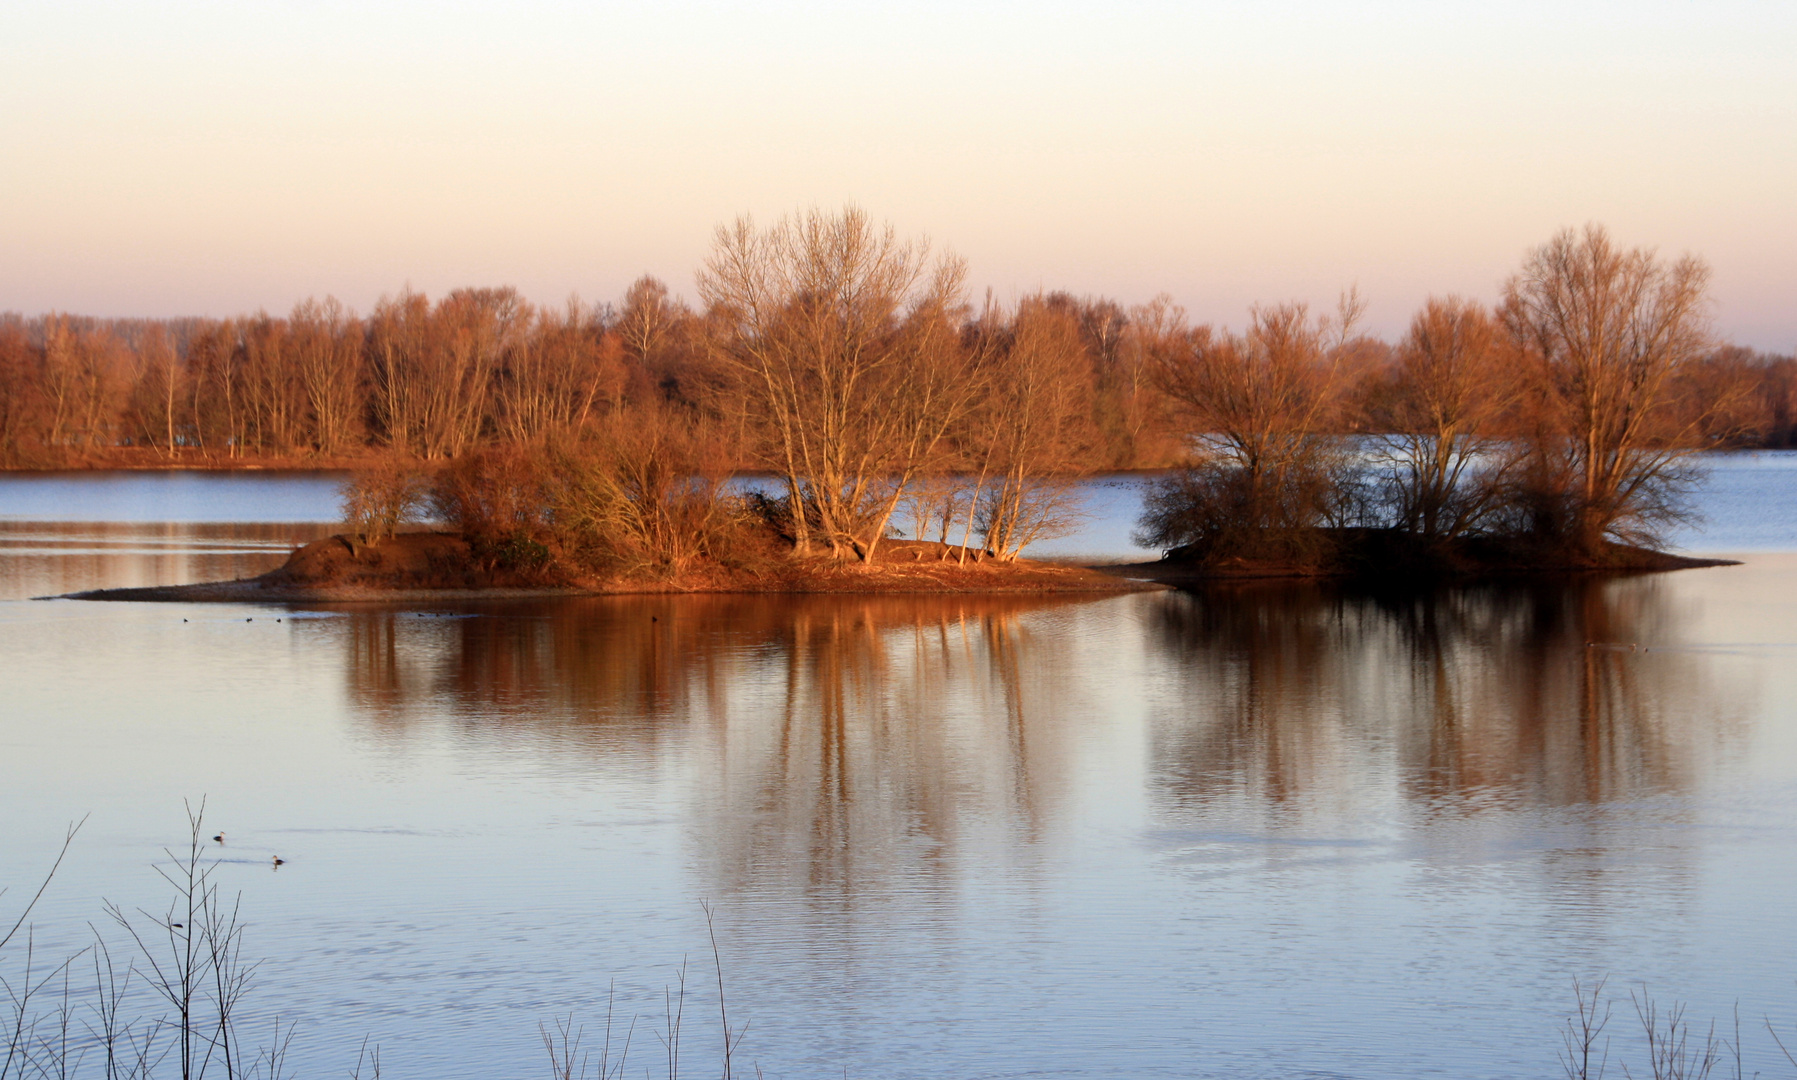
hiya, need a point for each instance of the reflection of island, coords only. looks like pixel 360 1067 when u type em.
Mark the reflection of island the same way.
pixel 835 750
pixel 1530 695
pixel 835 744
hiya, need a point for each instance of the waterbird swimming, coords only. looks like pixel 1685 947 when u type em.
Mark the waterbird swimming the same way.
pixel 279 860
pixel 220 838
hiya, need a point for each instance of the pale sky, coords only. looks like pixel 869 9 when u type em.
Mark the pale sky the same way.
pixel 213 158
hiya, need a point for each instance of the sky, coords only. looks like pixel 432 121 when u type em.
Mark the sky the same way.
pixel 183 158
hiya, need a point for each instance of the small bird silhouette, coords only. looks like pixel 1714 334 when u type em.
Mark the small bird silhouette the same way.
pixel 279 860
pixel 220 838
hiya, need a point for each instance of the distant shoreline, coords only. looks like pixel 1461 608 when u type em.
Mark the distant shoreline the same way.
pixel 149 462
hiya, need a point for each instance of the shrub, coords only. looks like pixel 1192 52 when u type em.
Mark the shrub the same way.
pixel 502 502
pixel 378 498
pixel 644 498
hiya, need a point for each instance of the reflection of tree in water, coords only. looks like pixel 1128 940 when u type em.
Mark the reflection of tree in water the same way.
pixel 612 674
pixel 1469 695
pixel 893 735
pixel 837 743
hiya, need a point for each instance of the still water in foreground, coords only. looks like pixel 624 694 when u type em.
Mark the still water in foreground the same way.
pixel 1272 831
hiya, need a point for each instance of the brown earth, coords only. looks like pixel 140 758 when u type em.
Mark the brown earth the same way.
pixel 436 565
pixel 429 565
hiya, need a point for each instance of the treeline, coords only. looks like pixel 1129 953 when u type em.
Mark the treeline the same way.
pixel 431 380
pixel 852 366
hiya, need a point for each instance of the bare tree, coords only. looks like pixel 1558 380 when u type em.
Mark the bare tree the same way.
pixel 327 348
pixel 1254 407
pixel 84 373
pixel 434 371
pixel 834 334
pixel 1149 333
pixel 381 496
pixel 643 498
pixel 161 381
pixel 477 327
pixel 399 339
pixel 214 361
pixel 274 396
pixel 21 398
pixel 1579 1038
pixel 1033 425
pixel 1454 381
pixel 563 370
pixel 193 960
pixel 1611 331
pixel 59 374
pixel 648 319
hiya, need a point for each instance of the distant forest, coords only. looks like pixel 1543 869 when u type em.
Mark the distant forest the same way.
pixel 431 380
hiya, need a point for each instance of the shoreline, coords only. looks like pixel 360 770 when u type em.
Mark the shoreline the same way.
pixel 251 591
pixel 435 566
pixel 124 459
pixel 423 567
pixel 1179 576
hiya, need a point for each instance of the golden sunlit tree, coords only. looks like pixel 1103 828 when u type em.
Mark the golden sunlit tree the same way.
pixel 559 375
pixel 1033 425
pixel 21 403
pixel 326 342
pixel 159 388
pixel 838 341
pixel 1610 331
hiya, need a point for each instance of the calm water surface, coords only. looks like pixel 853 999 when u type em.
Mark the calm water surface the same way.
pixel 1275 831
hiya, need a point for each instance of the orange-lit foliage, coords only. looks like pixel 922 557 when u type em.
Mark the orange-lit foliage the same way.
pixel 501 498
pixel 382 495
pixel 848 363
pixel 1452 383
pixel 643 498
pixel 1614 334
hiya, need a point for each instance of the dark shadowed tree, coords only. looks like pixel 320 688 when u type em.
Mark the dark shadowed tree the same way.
pixel 1254 408
pixel 1453 380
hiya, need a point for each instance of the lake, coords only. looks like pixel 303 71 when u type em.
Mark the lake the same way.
pixel 1279 830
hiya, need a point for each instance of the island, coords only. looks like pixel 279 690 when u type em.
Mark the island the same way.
pixel 431 565
pixel 435 565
